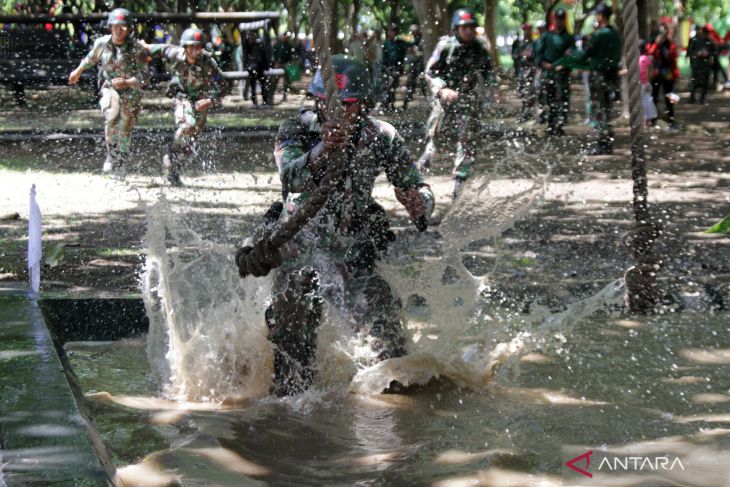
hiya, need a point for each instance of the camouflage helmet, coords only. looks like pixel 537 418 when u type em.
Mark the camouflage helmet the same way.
pixel 119 16
pixel 192 37
pixel 352 79
pixel 463 16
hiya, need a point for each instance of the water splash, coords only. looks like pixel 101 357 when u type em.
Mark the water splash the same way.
pixel 207 338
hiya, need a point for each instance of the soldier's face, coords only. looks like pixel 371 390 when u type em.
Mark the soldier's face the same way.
pixel 193 53
pixel 467 33
pixel 353 112
pixel 119 34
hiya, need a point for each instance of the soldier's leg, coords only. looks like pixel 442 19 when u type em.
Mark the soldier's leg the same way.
pixel 110 104
pixel 467 129
pixel 704 82
pixel 292 319
pixel 128 114
pixel 378 312
pixel 433 129
pixel 668 87
pixel 181 148
pixel 563 100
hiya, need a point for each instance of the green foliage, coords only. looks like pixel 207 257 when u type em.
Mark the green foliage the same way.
pixel 720 227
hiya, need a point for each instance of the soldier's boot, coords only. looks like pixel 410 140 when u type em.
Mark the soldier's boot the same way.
pixel 292 319
pixel 112 159
pixel 458 186
pixel 171 166
pixel 119 167
pixel 602 148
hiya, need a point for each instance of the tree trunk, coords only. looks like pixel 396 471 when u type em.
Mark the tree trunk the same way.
pixel 490 29
pixel 434 19
pixel 393 21
pixel 355 16
pixel 334 10
pixel 292 11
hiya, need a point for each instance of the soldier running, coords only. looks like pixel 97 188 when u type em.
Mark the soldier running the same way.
pixel 122 75
pixel 524 58
pixel 333 257
pixel 196 86
pixel 456 73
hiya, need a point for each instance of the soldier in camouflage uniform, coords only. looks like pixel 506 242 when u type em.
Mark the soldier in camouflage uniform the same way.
pixel 122 63
pixel 332 259
pixel 456 73
pixel 196 86
pixel 524 57
pixel 702 52
pixel 555 77
pixel 604 54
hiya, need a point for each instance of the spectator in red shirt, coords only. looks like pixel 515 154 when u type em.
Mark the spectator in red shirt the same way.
pixel 666 71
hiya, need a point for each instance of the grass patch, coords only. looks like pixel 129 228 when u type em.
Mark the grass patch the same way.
pixel 112 252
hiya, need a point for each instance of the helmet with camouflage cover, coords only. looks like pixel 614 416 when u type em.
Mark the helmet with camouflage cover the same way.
pixel 119 16
pixel 192 37
pixel 463 16
pixel 352 79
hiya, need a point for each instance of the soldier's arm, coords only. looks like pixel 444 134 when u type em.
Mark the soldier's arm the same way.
pixel 90 60
pixel 293 156
pixel 217 82
pixel 434 69
pixel 410 188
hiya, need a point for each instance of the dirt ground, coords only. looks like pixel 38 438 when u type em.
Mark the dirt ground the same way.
pixel 93 226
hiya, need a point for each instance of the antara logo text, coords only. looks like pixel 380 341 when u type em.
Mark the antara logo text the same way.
pixel 634 463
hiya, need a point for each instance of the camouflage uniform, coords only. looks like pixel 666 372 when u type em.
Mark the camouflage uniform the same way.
pixel 604 53
pixel 189 84
pixel 465 68
pixel 333 256
pixel 120 107
pixel 555 81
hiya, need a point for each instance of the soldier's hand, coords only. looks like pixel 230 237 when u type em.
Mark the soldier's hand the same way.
pixel 418 208
pixel 75 75
pixel 335 136
pixel 203 105
pixel 119 83
pixel 447 95
pixel 257 260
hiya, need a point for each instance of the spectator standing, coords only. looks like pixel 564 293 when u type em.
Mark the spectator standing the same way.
pixel 284 59
pixel 702 53
pixel 604 54
pixel 415 65
pixel 666 71
pixel 256 62
pixel 555 77
pixel 394 58
pixel 646 72
pixel 523 55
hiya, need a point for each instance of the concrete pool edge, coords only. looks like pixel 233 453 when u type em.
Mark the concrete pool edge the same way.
pixel 46 433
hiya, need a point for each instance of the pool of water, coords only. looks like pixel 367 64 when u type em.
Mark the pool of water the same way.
pixel 620 384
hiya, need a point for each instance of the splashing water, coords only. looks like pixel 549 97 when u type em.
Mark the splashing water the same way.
pixel 207 339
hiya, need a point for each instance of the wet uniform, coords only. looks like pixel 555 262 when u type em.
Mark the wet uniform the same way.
pixel 120 107
pixel 555 81
pixel 604 55
pixel 333 257
pixel 189 84
pixel 465 68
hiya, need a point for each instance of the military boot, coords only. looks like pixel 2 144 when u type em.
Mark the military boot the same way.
pixel 171 166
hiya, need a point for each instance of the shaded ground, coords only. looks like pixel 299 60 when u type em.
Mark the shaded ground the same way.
pixel 94 227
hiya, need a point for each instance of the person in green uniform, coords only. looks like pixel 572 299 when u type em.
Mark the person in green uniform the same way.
pixel 555 77
pixel 603 53
pixel 122 62
pixel 393 64
pixel 333 257
pixel 197 85
pixel 523 54
pixel 701 52
pixel 456 73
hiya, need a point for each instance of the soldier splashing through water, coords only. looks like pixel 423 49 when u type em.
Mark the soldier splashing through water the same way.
pixel 196 87
pixel 456 73
pixel 333 257
pixel 122 75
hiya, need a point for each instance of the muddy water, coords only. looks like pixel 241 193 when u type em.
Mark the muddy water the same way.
pixel 657 384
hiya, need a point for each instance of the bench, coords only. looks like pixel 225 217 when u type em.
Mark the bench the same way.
pixel 35 56
pixel 273 75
